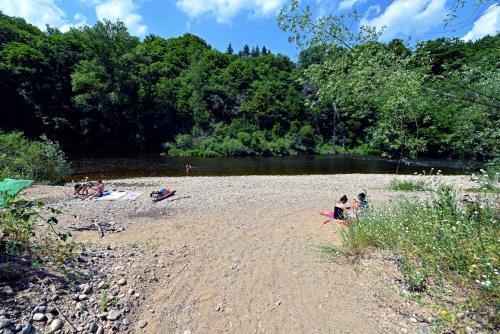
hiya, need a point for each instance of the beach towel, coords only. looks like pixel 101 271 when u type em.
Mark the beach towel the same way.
pixel 11 187
pixel 111 196
pixel 131 196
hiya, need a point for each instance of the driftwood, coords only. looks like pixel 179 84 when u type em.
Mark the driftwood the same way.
pixel 95 226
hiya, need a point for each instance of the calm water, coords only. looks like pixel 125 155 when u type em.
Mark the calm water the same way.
pixel 155 165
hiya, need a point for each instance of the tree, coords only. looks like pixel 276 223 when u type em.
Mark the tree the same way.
pixel 229 49
pixel 245 52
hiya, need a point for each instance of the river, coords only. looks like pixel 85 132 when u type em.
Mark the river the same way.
pixel 156 165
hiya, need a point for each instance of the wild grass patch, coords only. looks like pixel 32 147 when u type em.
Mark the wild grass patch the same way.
pixel 408 185
pixel 438 242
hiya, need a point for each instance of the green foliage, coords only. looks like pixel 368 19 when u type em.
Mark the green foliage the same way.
pixel 24 230
pixel 99 89
pixel 41 160
pixel 408 185
pixel 439 242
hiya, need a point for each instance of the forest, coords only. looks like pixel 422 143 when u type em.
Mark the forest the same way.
pixel 99 90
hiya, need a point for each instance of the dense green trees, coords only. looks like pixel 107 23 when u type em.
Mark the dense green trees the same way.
pixel 99 89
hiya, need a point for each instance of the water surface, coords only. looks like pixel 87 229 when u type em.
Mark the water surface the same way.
pixel 156 165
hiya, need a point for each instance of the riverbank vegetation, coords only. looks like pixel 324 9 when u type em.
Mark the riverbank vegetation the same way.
pixel 39 160
pixel 440 244
pixel 99 89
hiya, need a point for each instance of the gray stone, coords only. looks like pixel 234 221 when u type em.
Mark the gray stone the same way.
pixel 92 327
pixel 100 330
pixel 27 328
pixel 113 315
pixel 103 315
pixel 122 281
pixel 425 330
pixel 86 289
pixel 6 331
pixel 469 330
pixel 4 322
pixel 7 290
pixel 142 323
pixel 39 317
pixel 126 322
pixel 82 297
pixel 56 325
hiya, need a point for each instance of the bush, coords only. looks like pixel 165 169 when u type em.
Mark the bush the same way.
pixel 40 160
pixel 441 241
pixel 20 231
pixel 408 185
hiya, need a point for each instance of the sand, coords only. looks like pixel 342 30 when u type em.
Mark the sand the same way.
pixel 238 254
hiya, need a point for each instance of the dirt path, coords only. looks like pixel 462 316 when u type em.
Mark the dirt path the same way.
pixel 238 257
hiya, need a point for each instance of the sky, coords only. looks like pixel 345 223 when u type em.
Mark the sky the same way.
pixel 253 22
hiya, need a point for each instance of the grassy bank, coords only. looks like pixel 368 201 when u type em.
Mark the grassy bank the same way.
pixel 441 242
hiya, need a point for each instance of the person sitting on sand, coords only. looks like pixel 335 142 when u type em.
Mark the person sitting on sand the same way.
pixel 160 193
pixel 97 191
pixel 340 207
pixel 359 206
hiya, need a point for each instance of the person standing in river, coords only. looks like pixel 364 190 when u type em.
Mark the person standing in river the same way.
pixel 188 169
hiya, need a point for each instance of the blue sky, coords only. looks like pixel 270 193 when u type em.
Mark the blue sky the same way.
pixel 253 22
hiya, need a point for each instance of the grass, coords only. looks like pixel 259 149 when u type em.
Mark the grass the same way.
pixel 441 242
pixel 408 185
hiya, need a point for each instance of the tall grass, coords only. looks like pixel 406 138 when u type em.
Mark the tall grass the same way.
pixel 407 185
pixel 441 241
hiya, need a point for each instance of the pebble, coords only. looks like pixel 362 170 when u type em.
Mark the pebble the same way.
pixel 126 322
pixel 425 330
pixel 86 289
pixel 26 328
pixel 103 285
pixel 142 323
pixel 39 317
pixel 100 330
pixel 82 297
pixel 7 290
pixel 469 330
pixel 55 325
pixel 113 315
pixel 4 322
pixel 122 281
pixel 92 327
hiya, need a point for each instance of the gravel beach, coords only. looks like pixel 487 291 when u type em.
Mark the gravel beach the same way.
pixel 234 255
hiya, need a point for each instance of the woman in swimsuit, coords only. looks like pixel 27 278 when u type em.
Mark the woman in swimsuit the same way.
pixel 97 191
pixel 340 207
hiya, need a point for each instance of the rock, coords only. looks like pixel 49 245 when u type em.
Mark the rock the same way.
pixel 27 328
pixel 100 330
pixel 469 330
pixel 82 297
pixel 278 303
pixel 7 290
pixel 56 325
pixel 49 317
pixel 103 285
pixel 86 289
pixel 142 323
pixel 131 291
pixel 103 315
pixel 187 331
pixel 39 317
pixel 413 320
pixel 51 309
pixel 6 331
pixel 122 281
pixel 4 322
pixel 126 322
pixel 92 327
pixel 40 309
pixel 425 330
pixel 113 315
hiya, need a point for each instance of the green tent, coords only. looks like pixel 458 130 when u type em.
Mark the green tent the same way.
pixel 12 187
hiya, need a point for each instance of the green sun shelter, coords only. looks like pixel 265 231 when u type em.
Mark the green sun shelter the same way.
pixel 11 187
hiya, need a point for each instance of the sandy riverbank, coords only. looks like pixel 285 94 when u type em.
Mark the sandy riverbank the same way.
pixel 234 254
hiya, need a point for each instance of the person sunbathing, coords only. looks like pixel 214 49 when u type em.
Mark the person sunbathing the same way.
pixel 97 191
pixel 338 211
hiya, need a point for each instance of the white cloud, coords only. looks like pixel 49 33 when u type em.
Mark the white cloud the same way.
pixel 80 22
pixel 488 24
pixel 408 17
pixel 225 11
pixel 348 4
pixel 37 12
pixel 123 10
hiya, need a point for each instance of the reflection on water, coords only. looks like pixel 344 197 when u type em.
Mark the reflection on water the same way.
pixel 155 165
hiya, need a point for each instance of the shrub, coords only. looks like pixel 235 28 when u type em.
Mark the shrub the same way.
pixel 40 160
pixel 20 232
pixel 408 185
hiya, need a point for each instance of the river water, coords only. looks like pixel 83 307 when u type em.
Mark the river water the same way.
pixel 156 165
